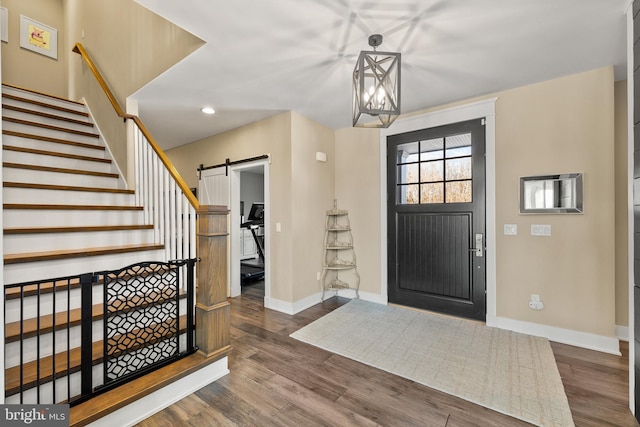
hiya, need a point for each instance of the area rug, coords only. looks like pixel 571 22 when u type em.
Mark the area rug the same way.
pixel 509 372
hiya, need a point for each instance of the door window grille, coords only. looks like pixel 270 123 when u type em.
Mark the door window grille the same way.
pixel 435 171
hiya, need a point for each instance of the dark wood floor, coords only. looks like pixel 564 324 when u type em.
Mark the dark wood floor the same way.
pixel 278 381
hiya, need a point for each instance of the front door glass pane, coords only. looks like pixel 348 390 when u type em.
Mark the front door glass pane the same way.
pixel 435 170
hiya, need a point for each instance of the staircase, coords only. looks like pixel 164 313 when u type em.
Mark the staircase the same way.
pixel 67 211
pixel 66 206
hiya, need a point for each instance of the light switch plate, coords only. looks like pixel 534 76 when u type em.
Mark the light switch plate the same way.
pixel 510 229
pixel 540 230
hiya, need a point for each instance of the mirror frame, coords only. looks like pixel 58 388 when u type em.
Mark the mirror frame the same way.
pixel 578 209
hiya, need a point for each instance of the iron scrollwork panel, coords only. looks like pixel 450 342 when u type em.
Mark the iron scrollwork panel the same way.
pixel 141 319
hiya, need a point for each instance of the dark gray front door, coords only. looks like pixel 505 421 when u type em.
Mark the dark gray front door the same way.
pixel 436 219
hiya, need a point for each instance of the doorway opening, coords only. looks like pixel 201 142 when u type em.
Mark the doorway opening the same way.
pixel 249 229
pixel 477 110
pixel 242 185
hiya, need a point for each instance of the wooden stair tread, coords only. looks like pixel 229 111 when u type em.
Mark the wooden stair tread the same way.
pixel 45 288
pixel 112 400
pixel 50 127
pixel 46 95
pixel 59 170
pixel 55 154
pixel 78 253
pixel 30 326
pixel 14 292
pixel 30 369
pixel 30 206
pixel 66 188
pixel 77 229
pixel 56 140
pixel 47 115
pixel 47 105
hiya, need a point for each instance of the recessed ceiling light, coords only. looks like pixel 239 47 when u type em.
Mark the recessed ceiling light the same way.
pixel 208 110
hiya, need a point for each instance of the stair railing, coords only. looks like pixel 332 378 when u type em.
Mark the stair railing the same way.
pixel 167 200
pixel 55 356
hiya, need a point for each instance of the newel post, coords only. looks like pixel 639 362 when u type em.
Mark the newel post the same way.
pixel 212 308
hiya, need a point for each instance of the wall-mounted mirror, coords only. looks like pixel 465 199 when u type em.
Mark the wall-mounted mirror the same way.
pixel 551 193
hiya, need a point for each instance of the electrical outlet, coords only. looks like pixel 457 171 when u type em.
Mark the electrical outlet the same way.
pixel 318 275
pixel 536 305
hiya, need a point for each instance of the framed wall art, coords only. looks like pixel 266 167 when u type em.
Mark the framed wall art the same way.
pixel 38 37
pixel 4 24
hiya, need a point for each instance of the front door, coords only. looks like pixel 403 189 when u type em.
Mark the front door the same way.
pixel 436 214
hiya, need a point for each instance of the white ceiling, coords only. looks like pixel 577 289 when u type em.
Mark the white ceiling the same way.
pixel 265 57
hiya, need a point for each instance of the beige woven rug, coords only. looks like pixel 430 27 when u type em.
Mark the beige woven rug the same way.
pixel 509 372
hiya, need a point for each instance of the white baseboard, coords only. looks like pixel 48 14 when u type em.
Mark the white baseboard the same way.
pixel 587 340
pixel 166 396
pixel 377 298
pixel 303 304
pixel 622 332
pixel 292 307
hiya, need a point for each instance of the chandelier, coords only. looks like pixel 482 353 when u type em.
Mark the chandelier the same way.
pixel 376 87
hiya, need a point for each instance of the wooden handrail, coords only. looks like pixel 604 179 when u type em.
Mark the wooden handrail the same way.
pixel 79 49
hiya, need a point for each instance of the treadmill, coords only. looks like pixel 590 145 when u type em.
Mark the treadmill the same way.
pixel 253 270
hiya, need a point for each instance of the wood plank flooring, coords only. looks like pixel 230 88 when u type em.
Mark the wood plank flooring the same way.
pixel 278 381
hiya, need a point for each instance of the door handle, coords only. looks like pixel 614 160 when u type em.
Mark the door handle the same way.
pixel 478 249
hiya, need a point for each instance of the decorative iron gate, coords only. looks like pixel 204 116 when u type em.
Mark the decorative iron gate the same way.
pixel 148 322
pixel 143 322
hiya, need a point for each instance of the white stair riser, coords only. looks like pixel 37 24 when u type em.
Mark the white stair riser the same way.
pixel 22 243
pixel 53 146
pixel 56 162
pixel 47 120
pixel 46 390
pixel 33 130
pixel 24 272
pixel 27 218
pixel 58 178
pixel 30 352
pixel 56 197
pixel 30 345
pixel 45 99
pixel 30 304
pixel 44 109
pixel 13 311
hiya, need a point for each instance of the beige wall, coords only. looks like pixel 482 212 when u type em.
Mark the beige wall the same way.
pixel 28 69
pixel 312 193
pixel 358 191
pixel 272 136
pixel 558 126
pixel 130 46
pixel 301 191
pixel 622 202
